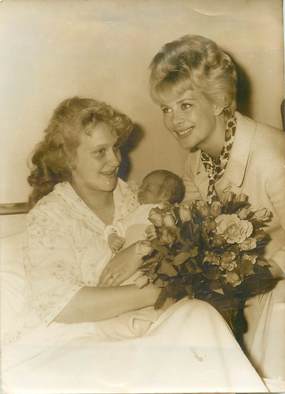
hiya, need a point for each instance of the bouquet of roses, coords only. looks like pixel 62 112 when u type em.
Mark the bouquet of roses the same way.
pixel 213 252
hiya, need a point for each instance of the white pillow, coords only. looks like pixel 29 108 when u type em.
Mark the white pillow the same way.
pixel 14 306
pixel 12 254
pixel 16 313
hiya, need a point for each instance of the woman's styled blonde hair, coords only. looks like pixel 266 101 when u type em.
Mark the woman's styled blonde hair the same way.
pixel 195 63
pixel 54 156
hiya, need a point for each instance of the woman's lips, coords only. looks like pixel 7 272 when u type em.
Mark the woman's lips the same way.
pixel 184 133
pixel 110 174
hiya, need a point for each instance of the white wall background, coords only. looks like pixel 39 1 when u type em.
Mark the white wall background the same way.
pixel 53 49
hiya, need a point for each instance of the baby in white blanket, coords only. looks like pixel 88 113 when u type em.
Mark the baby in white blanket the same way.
pixel 157 187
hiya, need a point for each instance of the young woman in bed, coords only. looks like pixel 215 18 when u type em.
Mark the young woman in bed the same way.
pixel 194 83
pixel 75 282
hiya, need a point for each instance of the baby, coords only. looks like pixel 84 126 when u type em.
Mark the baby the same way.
pixel 157 187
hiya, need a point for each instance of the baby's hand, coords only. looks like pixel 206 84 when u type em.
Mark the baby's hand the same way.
pixel 150 232
pixel 115 242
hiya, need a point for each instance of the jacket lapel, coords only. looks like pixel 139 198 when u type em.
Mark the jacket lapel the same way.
pixel 200 174
pixel 236 168
pixel 240 154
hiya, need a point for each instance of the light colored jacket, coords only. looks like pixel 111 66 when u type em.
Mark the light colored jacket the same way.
pixel 257 168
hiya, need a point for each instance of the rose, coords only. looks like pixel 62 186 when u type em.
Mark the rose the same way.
pixel 248 244
pixel 242 197
pixel 169 219
pixel 209 225
pixel 211 258
pixel 216 208
pixel 150 232
pixel 202 208
pixel 244 212
pixel 185 212
pixel 143 248
pixel 155 217
pixel 228 261
pixel 232 278
pixel 249 258
pixel 228 196
pixel 232 228
pixel 218 241
pixel 262 214
pixel 167 237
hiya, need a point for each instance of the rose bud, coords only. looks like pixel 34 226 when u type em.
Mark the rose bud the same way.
pixel 150 232
pixel 185 212
pixel 243 213
pixel 262 214
pixel 167 237
pixel 228 196
pixel 169 220
pixel 143 248
pixel 203 208
pixel 155 217
pixel 242 197
pixel 216 208
pixel 233 279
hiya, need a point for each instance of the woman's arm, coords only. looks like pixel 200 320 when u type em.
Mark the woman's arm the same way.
pixel 91 304
pixel 121 267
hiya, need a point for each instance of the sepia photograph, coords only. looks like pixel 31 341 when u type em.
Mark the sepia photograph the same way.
pixel 142 200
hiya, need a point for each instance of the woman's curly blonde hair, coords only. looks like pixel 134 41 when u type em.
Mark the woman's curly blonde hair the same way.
pixel 53 157
pixel 196 63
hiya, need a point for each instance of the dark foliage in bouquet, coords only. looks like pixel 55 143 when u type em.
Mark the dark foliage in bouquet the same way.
pixel 210 252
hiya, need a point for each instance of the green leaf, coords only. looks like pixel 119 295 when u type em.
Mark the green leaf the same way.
pixel 160 282
pixel 156 245
pixel 192 267
pixel 189 291
pixel 167 269
pixel 161 299
pixel 246 268
pixel 215 285
pixel 211 273
pixel 181 258
pixel 219 291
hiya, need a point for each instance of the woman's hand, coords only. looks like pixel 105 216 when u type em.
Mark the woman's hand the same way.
pixel 120 267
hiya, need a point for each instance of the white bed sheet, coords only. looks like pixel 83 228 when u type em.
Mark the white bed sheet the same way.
pixel 74 359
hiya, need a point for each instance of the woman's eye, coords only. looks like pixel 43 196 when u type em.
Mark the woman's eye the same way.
pixel 166 110
pixel 185 106
pixel 116 148
pixel 100 152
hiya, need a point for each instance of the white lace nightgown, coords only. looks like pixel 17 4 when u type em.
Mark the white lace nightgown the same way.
pixel 187 348
pixel 67 249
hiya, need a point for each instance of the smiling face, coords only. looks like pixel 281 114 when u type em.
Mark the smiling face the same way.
pixel 97 160
pixel 190 117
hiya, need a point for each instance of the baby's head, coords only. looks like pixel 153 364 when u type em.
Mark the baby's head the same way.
pixel 161 186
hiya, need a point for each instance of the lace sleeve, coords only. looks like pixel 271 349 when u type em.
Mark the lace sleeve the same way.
pixel 51 263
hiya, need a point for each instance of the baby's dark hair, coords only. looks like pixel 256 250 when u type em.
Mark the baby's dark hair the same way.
pixel 172 183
